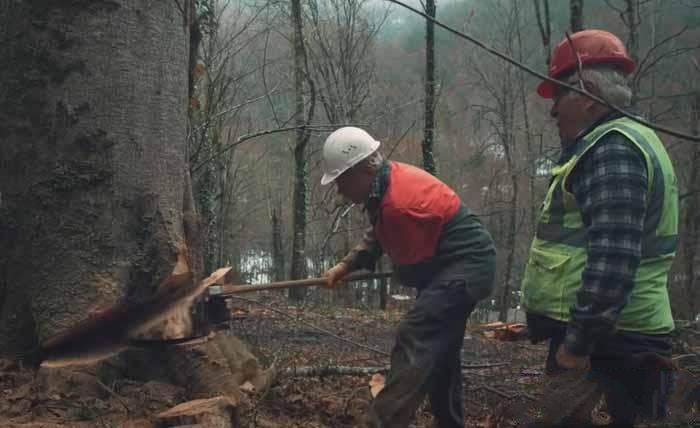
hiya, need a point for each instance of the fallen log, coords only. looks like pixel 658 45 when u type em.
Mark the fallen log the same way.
pixel 358 371
pixel 332 371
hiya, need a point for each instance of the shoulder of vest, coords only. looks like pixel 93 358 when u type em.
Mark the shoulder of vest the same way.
pixel 624 125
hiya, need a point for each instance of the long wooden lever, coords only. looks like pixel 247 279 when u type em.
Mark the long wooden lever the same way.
pixel 229 289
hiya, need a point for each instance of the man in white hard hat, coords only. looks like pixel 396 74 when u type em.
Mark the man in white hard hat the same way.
pixel 438 246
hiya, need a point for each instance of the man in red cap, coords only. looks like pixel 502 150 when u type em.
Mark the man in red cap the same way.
pixel 595 283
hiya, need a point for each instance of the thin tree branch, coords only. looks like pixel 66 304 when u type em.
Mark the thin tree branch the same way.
pixel 244 138
pixel 641 63
pixel 579 65
pixel 234 108
pixel 336 224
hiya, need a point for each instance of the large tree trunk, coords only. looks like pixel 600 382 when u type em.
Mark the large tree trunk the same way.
pixel 92 162
pixel 96 207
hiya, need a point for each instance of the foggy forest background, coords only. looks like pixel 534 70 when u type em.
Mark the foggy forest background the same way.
pixel 262 102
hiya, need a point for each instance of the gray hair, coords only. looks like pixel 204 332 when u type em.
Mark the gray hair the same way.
pixel 612 85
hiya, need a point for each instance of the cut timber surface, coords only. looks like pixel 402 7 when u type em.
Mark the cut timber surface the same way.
pixel 217 412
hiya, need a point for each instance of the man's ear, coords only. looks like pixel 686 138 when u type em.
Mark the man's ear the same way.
pixel 591 88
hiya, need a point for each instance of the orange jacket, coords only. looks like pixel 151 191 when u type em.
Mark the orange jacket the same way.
pixel 415 207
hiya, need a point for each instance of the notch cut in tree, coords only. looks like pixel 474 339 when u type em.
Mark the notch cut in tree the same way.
pixel 116 328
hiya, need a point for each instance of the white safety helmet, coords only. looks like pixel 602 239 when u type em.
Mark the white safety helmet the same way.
pixel 343 149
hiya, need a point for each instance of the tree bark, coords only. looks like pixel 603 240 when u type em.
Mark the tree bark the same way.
pixel 92 164
pixel 430 100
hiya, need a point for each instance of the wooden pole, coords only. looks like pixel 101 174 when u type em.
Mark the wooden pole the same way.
pixel 228 289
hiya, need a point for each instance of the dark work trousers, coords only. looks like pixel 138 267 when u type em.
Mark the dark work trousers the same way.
pixel 637 386
pixel 426 359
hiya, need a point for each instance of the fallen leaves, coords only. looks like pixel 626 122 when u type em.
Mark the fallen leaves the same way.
pixel 503 331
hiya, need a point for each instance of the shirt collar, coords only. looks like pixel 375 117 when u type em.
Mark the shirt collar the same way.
pixel 377 189
pixel 378 186
pixel 569 150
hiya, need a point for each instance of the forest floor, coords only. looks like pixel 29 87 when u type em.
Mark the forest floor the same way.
pixel 501 378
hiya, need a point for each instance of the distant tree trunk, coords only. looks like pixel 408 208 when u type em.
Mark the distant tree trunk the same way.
pixel 383 286
pixel 529 143
pixel 506 115
pixel 512 226
pixel 576 15
pixel 690 237
pixel 631 19
pixel 278 259
pixel 430 100
pixel 299 269
pixel 543 23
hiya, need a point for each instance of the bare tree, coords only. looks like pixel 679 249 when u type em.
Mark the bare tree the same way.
pixel 301 119
pixel 219 80
pixel 630 15
pixel 430 95
pixel 499 112
pixel 342 35
pixel 341 43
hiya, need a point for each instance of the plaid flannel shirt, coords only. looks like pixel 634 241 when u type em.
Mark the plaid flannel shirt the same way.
pixel 610 186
